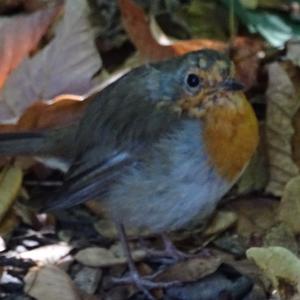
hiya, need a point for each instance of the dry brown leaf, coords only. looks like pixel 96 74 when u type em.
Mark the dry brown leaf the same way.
pixel 283 103
pixel 102 257
pixel 49 254
pixel 50 283
pixel 289 209
pixel 191 270
pixel 255 215
pixel 138 27
pixel 20 35
pixel 10 184
pixel 246 58
pixel 62 111
pixel 66 65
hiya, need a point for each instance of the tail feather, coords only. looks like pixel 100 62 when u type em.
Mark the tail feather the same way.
pixel 23 143
pixel 54 142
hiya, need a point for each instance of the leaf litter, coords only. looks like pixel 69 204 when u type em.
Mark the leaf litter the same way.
pixel 66 65
pixel 266 226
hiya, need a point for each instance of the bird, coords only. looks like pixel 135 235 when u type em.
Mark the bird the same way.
pixel 159 147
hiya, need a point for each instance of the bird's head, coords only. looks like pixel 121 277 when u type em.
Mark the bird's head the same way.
pixel 196 81
pixel 202 85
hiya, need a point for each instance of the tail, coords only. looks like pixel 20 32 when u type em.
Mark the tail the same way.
pixel 54 142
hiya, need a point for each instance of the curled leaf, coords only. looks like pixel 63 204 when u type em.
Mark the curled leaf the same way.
pixel 283 103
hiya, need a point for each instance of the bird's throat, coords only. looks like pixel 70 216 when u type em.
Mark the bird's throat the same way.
pixel 231 136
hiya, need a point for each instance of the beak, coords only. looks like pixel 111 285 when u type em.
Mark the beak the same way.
pixel 232 85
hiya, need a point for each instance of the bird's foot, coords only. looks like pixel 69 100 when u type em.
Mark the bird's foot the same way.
pixel 144 284
pixel 169 255
pixel 170 252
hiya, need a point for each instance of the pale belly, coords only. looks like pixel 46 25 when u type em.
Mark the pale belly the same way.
pixel 175 185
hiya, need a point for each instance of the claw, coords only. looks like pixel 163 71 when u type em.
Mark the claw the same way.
pixel 144 284
pixel 170 252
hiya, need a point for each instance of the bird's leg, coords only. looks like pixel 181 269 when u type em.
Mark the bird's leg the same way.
pixel 142 283
pixel 170 252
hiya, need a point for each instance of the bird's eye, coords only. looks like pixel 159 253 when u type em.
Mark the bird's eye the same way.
pixel 193 80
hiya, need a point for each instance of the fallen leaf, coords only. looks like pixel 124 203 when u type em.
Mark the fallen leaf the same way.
pixel 278 264
pixel 276 28
pixel 246 57
pixel 66 65
pixel 293 51
pixel 296 139
pixel 281 235
pixel 8 6
pixel 50 283
pixel 87 279
pixel 283 103
pixel 61 111
pixel 10 184
pixel 107 228
pixel 221 222
pixel 231 243
pixel 255 177
pixel 255 215
pixel 20 36
pixel 289 208
pixel 102 257
pixel 293 55
pixel 2 248
pixel 215 286
pixel 191 269
pixel 137 25
pixel 8 223
pixel 49 254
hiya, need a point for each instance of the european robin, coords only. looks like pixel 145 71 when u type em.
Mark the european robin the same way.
pixel 158 147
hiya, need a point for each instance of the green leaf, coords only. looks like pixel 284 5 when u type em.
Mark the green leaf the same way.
pixel 276 28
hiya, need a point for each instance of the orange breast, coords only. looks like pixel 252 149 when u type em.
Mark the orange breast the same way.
pixel 231 135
